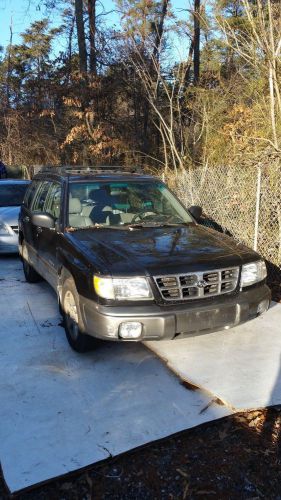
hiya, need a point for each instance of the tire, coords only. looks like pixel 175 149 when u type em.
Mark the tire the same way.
pixel 30 274
pixel 73 324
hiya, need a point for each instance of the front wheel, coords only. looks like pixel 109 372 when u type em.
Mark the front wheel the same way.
pixel 79 341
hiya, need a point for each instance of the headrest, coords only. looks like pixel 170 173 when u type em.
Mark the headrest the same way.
pixel 100 196
pixel 74 206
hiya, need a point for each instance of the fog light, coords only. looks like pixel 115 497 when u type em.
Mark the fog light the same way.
pixel 130 330
pixel 263 306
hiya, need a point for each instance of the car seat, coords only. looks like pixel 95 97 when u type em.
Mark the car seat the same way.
pixel 76 219
pixel 103 206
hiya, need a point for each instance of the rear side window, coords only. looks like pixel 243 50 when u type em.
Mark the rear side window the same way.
pixel 29 195
pixel 40 198
pixel 53 202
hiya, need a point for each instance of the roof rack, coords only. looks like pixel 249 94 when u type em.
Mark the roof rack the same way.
pixel 99 169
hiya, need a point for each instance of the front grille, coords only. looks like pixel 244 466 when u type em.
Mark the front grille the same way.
pixel 15 229
pixel 197 285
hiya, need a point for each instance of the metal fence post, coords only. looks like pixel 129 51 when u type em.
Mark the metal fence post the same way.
pixel 258 196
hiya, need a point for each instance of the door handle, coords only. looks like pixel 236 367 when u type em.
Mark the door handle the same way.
pixel 26 219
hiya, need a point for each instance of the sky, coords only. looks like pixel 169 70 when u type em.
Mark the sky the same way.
pixel 21 13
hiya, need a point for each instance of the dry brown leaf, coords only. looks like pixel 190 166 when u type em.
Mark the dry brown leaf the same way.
pixel 254 422
pixel 257 413
pixel 241 418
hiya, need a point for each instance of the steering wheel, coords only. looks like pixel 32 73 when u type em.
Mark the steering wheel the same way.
pixel 142 216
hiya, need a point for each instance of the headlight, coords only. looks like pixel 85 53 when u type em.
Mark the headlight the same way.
pixel 122 288
pixel 3 229
pixel 253 273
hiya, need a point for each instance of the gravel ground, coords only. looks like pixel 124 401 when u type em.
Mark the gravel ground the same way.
pixel 237 457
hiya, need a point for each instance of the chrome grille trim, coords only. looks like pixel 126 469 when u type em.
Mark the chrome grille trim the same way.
pixel 199 285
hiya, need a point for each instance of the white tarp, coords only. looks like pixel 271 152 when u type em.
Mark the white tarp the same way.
pixel 241 366
pixel 59 410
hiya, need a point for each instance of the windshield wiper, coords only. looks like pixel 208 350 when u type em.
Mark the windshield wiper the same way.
pixel 156 224
pixel 71 229
pixel 137 225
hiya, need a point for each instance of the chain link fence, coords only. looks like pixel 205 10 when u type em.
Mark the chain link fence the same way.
pixel 242 202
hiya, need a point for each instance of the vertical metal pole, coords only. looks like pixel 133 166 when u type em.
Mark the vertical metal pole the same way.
pixel 258 196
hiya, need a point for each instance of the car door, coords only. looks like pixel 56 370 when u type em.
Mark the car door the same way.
pixel 34 200
pixel 47 239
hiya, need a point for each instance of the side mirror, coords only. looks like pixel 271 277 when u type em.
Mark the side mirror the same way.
pixel 196 211
pixel 42 219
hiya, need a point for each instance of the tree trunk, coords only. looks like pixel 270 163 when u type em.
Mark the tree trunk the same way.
pixel 159 29
pixel 272 106
pixel 154 69
pixel 189 64
pixel 69 49
pixel 81 36
pixel 9 68
pixel 196 52
pixel 92 31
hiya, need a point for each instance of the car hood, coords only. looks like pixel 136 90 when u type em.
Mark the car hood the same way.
pixel 153 251
pixel 10 215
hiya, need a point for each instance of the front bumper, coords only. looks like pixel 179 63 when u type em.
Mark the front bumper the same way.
pixel 174 321
pixel 9 243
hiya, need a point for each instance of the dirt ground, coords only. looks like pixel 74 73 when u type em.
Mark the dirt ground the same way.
pixel 237 457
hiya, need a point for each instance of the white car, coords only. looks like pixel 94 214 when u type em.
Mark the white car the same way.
pixel 12 192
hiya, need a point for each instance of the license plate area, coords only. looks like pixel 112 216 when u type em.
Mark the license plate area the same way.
pixel 216 318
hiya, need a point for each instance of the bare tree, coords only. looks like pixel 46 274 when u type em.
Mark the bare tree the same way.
pixel 259 45
pixel 159 28
pixel 81 36
pixel 92 35
pixel 166 118
pixel 196 51
pixel 9 67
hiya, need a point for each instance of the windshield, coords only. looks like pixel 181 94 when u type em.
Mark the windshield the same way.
pixel 123 204
pixel 11 195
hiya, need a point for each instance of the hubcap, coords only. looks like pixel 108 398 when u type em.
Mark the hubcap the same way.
pixel 71 314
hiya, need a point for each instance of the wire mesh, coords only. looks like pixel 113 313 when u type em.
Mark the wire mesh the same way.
pixel 235 202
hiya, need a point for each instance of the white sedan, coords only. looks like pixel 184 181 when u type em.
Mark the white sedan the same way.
pixel 12 192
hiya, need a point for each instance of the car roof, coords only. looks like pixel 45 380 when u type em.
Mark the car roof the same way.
pixel 103 173
pixel 14 181
pixel 112 177
pixel 97 178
